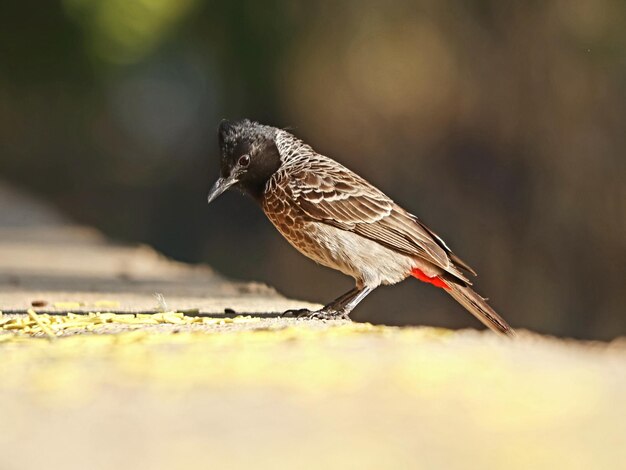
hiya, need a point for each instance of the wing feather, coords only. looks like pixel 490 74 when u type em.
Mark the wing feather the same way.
pixel 330 193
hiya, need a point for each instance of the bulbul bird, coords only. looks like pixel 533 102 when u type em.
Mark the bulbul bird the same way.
pixel 339 220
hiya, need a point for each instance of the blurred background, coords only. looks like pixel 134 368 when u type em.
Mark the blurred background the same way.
pixel 499 123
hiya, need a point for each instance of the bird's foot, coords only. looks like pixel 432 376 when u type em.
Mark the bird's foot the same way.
pixel 326 313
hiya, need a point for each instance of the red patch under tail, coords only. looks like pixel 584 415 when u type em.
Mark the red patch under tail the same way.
pixel 435 281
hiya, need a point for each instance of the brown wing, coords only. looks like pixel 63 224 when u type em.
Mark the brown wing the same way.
pixel 330 193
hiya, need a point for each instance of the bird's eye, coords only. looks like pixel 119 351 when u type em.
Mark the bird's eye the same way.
pixel 244 160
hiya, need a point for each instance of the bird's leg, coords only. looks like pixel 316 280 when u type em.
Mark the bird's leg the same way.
pixel 356 299
pixel 339 308
pixel 342 299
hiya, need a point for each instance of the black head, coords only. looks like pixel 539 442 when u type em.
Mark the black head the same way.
pixel 249 157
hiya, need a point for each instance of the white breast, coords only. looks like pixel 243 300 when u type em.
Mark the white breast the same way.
pixel 368 262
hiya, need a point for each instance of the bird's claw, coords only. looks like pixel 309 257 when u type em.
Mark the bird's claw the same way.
pixel 295 312
pixel 321 314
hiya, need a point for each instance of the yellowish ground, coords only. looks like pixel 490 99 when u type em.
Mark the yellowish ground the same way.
pixel 173 391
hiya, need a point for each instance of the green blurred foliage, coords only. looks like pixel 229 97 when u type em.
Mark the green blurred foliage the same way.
pixel 500 123
pixel 121 31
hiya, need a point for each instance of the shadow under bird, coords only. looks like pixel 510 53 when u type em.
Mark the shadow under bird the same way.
pixel 339 220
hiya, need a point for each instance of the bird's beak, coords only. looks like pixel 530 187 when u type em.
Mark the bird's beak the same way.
pixel 221 185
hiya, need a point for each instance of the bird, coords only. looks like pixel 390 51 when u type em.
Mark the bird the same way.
pixel 338 219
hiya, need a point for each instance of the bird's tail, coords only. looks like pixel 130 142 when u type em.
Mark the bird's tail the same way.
pixel 478 307
pixel 473 302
